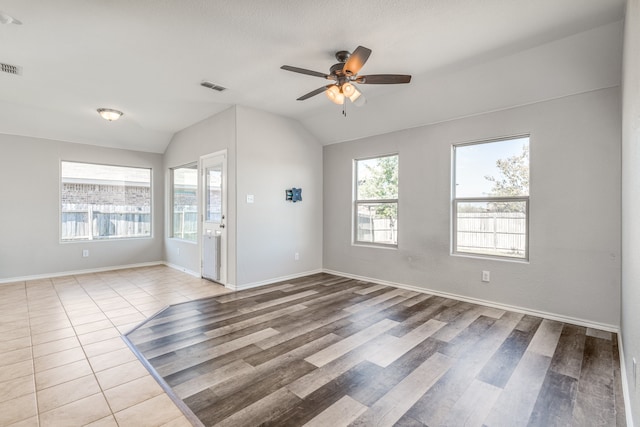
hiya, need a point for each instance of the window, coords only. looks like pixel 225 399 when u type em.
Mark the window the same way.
pixel 100 202
pixel 184 201
pixel 491 198
pixel 376 201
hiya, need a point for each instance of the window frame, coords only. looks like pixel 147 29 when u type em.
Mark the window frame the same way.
pixel 91 237
pixel 357 202
pixel 194 166
pixel 489 199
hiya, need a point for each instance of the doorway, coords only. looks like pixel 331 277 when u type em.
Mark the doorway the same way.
pixel 213 169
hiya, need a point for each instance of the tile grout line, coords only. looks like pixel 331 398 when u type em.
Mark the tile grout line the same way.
pixel 122 337
pixel 64 307
pixel 45 295
pixel 165 387
pixel 33 362
pixel 87 356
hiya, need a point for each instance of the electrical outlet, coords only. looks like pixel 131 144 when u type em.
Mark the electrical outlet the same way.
pixel 486 276
pixel 85 253
pixel 296 256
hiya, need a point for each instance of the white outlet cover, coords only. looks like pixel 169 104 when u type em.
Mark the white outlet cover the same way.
pixel 250 198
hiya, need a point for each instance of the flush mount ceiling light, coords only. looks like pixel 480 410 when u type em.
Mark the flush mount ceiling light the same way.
pixel 109 114
pixel 8 19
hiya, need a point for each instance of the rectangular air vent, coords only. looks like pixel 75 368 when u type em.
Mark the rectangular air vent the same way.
pixel 212 86
pixel 11 69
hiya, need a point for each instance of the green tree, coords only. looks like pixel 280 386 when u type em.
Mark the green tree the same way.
pixel 512 182
pixel 514 175
pixel 378 180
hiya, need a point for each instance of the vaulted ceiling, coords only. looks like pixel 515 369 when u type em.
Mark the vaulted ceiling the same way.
pixel 147 58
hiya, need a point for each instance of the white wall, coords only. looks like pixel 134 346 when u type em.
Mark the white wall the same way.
pixel 274 154
pixel 208 136
pixel 631 200
pixel 574 268
pixel 30 211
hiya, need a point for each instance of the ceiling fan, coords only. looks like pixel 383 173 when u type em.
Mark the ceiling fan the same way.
pixel 345 74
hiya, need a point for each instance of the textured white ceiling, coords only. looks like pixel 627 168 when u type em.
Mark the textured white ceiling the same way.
pixel 148 57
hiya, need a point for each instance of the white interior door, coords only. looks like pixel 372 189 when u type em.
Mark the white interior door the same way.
pixel 214 233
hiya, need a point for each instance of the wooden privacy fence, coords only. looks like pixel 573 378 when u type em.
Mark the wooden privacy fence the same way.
pixel 493 232
pixel 103 222
pixel 372 228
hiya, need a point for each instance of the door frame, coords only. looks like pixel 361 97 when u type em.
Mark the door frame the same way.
pixel 202 200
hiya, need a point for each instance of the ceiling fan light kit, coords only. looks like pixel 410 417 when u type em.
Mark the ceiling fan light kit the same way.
pixel 335 94
pixel 345 74
pixel 357 98
pixel 348 89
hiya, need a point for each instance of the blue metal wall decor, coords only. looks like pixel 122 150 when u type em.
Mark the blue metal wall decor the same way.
pixel 293 195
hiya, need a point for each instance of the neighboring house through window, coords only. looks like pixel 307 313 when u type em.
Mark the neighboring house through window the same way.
pixel 376 201
pixel 491 198
pixel 101 202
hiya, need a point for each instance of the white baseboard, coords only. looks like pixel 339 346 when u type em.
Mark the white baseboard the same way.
pixel 545 315
pixel 524 310
pixel 182 269
pixel 625 384
pixel 76 272
pixel 270 281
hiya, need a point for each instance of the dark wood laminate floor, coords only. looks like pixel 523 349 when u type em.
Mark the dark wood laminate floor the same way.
pixel 329 351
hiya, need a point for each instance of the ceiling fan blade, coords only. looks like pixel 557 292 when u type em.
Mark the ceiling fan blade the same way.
pixel 383 79
pixel 356 60
pixel 312 93
pixel 305 71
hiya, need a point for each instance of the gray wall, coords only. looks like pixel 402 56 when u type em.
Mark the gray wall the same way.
pixel 208 136
pixel 266 155
pixel 274 154
pixel 631 200
pixel 574 268
pixel 30 213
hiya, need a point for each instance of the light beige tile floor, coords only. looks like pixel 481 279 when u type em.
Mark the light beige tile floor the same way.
pixel 62 359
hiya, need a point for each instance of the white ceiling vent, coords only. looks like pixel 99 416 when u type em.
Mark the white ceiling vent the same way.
pixel 213 86
pixel 11 69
